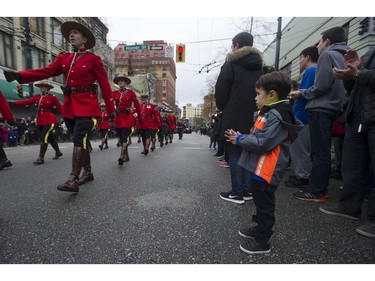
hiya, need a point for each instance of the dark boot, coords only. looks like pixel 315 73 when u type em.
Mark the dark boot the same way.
pixel 126 154
pixel 72 184
pixel 58 153
pixel 153 144
pixel 101 145
pixel 147 146
pixel 123 155
pixel 4 162
pixel 42 152
pixel 87 172
pixel 105 143
pixel 144 146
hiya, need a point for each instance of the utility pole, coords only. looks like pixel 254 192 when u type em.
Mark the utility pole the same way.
pixel 28 51
pixel 278 41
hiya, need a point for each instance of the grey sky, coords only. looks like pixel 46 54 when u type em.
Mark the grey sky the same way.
pixel 207 40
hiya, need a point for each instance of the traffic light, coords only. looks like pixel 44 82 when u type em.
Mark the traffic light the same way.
pixel 20 91
pixel 180 53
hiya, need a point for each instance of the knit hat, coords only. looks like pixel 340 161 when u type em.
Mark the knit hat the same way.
pixel 243 39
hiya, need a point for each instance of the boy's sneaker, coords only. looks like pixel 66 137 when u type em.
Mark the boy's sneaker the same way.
pixel 251 246
pixel 238 199
pixel 367 230
pixel 336 210
pixel 247 195
pixel 307 196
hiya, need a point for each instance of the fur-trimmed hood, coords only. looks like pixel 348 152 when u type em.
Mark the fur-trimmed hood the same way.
pixel 248 57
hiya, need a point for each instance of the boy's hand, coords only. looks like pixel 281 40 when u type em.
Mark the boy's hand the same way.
pixel 231 135
pixel 294 95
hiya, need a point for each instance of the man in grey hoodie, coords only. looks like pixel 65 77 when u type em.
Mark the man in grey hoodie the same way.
pixel 324 102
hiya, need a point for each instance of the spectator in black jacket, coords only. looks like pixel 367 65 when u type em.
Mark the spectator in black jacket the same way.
pixel 358 156
pixel 235 97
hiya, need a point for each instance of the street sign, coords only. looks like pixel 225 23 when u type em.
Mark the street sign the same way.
pixel 169 52
pixel 136 47
pixel 156 48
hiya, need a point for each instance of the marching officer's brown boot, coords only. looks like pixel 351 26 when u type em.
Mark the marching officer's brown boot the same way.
pixel 147 146
pixel 87 172
pixel 124 154
pixel 42 152
pixel 153 144
pixel 58 153
pixel 144 146
pixel 105 143
pixel 101 145
pixel 72 184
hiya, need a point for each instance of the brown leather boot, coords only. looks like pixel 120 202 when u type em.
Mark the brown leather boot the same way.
pixel 58 153
pixel 42 152
pixel 87 172
pixel 72 185
pixel 106 144
pixel 101 145
pixel 121 160
pixel 126 154
pixel 147 146
pixel 153 144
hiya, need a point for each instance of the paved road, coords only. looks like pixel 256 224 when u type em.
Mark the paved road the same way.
pixel 160 209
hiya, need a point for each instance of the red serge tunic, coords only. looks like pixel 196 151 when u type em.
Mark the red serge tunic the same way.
pixel 82 72
pixel 148 115
pixel 5 109
pixel 45 104
pixel 124 99
pixel 104 121
pixel 172 121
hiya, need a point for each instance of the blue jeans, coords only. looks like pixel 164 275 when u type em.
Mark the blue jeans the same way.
pixel 321 139
pixel 240 177
pixel 358 168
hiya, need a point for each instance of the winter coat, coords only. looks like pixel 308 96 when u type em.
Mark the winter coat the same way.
pixel 361 107
pixel 235 89
pixel 265 151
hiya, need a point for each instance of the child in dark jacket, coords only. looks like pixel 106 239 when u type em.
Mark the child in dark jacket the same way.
pixel 266 154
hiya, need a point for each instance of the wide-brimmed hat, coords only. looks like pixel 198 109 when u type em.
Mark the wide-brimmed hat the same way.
pixel 144 96
pixel 44 83
pixel 67 26
pixel 121 77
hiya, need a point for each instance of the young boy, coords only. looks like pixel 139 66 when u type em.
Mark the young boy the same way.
pixel 265 154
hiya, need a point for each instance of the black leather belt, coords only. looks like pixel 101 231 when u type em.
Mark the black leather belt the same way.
pixel 92 88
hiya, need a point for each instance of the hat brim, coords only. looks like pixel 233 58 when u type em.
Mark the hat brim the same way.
pixel 43 85
pixel 126 79
pixel 67 26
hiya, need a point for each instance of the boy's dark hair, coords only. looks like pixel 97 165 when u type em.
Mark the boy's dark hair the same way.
pixel 312 52
pixel 277 81
pixel 335 34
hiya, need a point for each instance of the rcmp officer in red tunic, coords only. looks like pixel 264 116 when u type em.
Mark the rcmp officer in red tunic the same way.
pixel 104 126
pixel 7 115
pixel 124 99
pixel 46 119
pixel 81 105
pixel 173 124
pixel 148 115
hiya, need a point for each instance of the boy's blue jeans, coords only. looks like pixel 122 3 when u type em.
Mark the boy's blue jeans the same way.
pixel 240 177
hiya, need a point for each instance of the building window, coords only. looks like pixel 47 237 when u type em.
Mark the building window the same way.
pixel 164 75
pixel 57 37
pixel 6 54
pixel 164 68
pixel 37 26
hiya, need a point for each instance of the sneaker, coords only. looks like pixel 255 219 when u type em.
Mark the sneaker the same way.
pixel 224 165
pixel 247 195
pixel 39 161
pixel 238 199
pixel 307 196
pixel 336 210
pixel 296 182
pixel 253 247
pixel 222 160
pixel 367 230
